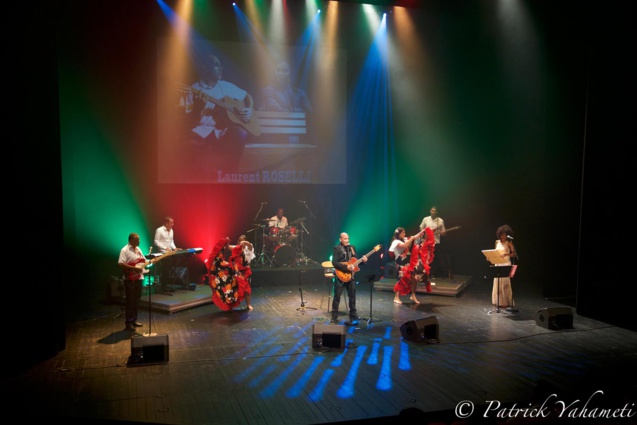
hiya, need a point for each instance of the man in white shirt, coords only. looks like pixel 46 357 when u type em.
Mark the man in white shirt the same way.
pixel 164 236
pixel 437 225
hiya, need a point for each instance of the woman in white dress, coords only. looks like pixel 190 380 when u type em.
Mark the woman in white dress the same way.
pixel 506 249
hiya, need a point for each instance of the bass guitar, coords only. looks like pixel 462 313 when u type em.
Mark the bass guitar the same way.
pixel 232 107
pixel 349 275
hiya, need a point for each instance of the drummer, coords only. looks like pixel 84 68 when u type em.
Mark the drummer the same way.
pixel 279 220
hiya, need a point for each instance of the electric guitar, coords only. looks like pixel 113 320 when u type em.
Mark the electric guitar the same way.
pixel 407 250
pixel 348 275
pixel 453 228
pixel 233 109
pixel 141 265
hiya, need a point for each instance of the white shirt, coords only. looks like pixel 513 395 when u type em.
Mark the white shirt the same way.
pixel 395 248
pixel 164 239
pixel 437 225
pixel 128 255
pixel 282 223
pixel 248 253
pixel 220 90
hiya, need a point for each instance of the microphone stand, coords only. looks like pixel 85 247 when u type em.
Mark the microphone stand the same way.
pixel 304 257
pixel 256 217
pixel 308 209
pixel 303 307
pixel 150 304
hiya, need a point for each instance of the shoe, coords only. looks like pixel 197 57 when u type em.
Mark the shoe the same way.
pixel 333 320
pixel 130 328
pixel 355 319
pixel 137 324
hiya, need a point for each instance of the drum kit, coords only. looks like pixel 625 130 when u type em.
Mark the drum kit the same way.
pixel 280 245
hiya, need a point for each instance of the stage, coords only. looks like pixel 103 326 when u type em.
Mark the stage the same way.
pixel 261 366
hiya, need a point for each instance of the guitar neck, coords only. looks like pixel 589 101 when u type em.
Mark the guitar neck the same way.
pixel 366 255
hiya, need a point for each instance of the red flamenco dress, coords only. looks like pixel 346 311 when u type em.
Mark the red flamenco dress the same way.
pixel 418 268
pixel 229 280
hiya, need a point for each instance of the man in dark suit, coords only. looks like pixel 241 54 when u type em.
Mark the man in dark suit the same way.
pixel 341 256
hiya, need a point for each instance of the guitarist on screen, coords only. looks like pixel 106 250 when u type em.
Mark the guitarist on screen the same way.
pixel 222 114
pixel 132 261
pixel 342 256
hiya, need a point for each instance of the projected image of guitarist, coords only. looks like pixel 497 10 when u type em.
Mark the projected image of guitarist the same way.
pixel 222 114
pixel 345 265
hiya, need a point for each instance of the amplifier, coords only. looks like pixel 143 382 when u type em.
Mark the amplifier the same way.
pixel 149 349
pixel 555 318
pixel 328 336
pixel 421 330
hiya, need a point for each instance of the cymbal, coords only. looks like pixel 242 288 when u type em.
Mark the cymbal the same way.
pixel 265 219
pixel 299 220
pixel 258 224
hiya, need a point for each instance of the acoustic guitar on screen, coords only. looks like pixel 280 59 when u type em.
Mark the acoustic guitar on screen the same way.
pixel 232 106
pixel 349 275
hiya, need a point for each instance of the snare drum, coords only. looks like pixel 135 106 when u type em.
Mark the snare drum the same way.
pixel 284 255
pixel 274 233
pixel 291 234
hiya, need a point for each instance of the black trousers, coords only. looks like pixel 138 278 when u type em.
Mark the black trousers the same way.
pixel 339 286
pixel 439 266
pixel 133 291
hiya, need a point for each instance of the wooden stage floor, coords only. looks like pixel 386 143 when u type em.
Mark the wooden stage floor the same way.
pixel 259 367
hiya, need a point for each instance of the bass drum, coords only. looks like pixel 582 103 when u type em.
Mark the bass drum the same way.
pixel 284 255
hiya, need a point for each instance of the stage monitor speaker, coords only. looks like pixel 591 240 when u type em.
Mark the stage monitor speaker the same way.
pixel 421 330
pixel 149 349
pixel 328 336
pixel 555 318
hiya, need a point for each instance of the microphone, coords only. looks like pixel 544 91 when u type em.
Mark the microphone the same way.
pixel 150 250
pixel 303 202
pixel 509 237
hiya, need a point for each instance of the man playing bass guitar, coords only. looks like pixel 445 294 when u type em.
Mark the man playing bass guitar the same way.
pixel 341 256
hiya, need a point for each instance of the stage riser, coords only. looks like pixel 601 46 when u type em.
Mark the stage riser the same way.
pixel 447 287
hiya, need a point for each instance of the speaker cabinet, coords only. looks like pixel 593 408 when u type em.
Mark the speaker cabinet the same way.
pixel 555 318
pixel 149 349
pixel 328 336
pixel 421 330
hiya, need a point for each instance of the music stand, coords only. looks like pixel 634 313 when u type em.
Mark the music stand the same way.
pixel 497 269
pixel 150 290
pixel 371 269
